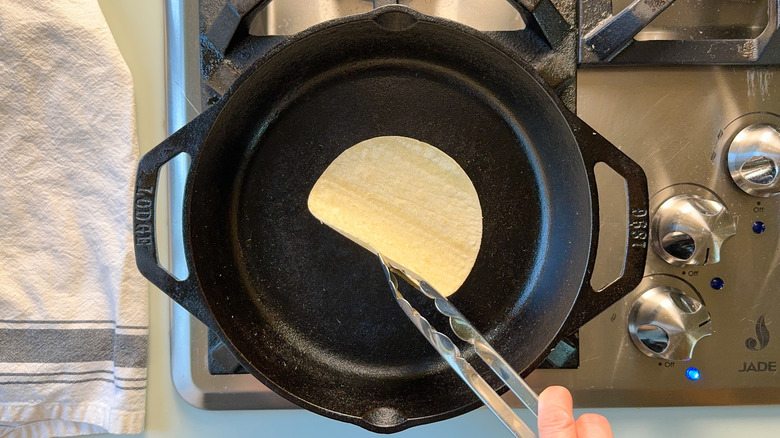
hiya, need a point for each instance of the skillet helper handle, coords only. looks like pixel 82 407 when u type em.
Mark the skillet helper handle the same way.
pixel 596 149
pixel 188 139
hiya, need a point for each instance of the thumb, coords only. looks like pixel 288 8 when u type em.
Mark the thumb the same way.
pixel 555 414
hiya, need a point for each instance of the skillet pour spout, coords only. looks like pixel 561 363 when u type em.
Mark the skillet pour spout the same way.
pixel 306 311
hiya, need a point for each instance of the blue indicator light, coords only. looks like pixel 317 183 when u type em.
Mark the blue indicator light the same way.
pixel 758 227
pixel 717 283
pixel 692 373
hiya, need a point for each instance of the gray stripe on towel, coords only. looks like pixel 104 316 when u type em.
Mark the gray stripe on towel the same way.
pixel 59 373
pixel 73 322
pixel 38 382
pixel 74 373
pixel 58 321
pixel 78 345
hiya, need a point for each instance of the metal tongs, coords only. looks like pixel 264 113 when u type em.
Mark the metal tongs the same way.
pixel 450 352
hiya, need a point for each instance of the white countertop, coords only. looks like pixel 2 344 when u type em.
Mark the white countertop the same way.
pixel 138 29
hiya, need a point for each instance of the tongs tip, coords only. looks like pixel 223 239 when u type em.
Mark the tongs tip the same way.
pixel 391 271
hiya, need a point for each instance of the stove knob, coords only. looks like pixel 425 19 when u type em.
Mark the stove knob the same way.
pixel 754 160
pixel 666 323
pixel 690 230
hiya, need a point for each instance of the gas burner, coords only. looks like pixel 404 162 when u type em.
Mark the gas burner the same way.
pixel 688 32
pixel 235 33
pixel 698 329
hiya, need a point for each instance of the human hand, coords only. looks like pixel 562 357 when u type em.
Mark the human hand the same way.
pixel 556 419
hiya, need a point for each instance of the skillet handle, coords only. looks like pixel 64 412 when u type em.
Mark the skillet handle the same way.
pixel 184 292
pixel 596 149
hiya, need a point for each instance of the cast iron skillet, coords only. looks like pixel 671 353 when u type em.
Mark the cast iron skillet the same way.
pixel 308 312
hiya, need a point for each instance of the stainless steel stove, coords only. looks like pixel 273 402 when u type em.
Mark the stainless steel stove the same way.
pixel 693 97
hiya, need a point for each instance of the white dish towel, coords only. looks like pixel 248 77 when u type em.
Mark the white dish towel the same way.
pixel 73 308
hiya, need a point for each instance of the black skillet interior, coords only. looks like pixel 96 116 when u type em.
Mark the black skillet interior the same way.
pixel 308 311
